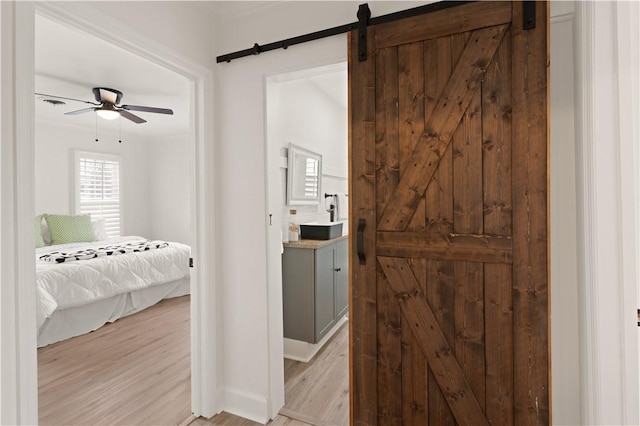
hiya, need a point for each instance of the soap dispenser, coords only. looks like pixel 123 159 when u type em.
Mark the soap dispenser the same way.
pixel 293 226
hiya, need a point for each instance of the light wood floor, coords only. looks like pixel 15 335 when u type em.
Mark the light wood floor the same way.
pixel 318 391
pixel 134 371
pixel 226 419
pixel 137 371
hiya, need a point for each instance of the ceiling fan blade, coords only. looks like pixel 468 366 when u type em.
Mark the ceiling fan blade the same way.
pixel 69 99
pixel 79 111
pixel 147 109
pixel 132 117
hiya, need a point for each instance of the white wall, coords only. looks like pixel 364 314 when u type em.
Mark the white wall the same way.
pixel 178 29
pixel 306 116
pixel 169 204
pixel 54 165
pixel 155 177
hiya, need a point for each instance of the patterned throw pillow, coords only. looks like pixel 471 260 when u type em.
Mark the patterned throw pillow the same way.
pixel 70 228
pixel 38 232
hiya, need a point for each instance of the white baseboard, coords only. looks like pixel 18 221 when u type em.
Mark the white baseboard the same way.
pixel 247 405
pixel 304 351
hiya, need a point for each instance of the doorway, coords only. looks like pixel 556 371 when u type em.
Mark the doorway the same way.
pixel 203 351
pixel 308 108
pixel 149 171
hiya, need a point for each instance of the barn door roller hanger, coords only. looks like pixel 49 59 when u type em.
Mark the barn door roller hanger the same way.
pixel 365 20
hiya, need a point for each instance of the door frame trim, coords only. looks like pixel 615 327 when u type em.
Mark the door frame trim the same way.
pixel 205 384
pixel 608 297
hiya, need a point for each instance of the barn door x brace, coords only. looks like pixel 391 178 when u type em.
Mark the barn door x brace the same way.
pixel 365 20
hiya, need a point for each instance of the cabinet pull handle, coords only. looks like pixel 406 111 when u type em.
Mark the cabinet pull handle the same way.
pixel 338 269
pixel 360 242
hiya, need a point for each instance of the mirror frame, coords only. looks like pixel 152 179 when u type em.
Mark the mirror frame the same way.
pixel 292 152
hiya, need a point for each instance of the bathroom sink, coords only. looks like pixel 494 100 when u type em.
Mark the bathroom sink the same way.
pixel 320 230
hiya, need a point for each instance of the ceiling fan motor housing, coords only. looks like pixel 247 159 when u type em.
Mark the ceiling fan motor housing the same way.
pixel 98 95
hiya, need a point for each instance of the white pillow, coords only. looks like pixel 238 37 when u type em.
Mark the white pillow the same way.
pixel 98 229
pixel 46 237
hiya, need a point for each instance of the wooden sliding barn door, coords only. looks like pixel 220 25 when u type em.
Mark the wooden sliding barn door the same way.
pixel 449 286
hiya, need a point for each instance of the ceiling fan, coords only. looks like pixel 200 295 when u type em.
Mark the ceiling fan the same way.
pixel 108 106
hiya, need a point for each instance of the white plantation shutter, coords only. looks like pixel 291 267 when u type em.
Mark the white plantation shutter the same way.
pixel 311 179
pixel 98 189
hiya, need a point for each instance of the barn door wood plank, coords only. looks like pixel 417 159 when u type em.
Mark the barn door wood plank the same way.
pixel 411 110
pixel 439 294
pixel 453 102
pixel 467 159
pixel 530 228
pixel 466 247
pixel 438 197
pixel 499 343
pixel 362 302
pixel 469 325
pixel 443 23
pixel 387 149
pixel 433 343
pixel 389 356
pixel 389 321
pixel 415 370
pixel 496 166
pixel 496 137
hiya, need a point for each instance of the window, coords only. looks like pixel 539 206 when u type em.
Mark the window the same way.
pixel 98 189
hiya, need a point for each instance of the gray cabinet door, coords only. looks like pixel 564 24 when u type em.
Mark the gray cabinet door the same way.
pixel 342 278
pixel 324 292
pixel 298 294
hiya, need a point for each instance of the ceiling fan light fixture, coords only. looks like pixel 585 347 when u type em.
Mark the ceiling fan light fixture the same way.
pixel 107 113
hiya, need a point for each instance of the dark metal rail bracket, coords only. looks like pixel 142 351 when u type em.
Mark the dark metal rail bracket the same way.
pixel 364 13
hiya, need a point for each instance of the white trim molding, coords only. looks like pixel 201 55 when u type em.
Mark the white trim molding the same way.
pixel 587 268
pixel 18 356
pixel 627 17
pixel 609 379
pixel 248 405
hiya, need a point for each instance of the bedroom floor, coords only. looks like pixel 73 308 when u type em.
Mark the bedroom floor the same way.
pixel 137 371
pixel 133 371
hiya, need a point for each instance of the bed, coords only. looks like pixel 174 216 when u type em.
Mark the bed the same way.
pixel 78 294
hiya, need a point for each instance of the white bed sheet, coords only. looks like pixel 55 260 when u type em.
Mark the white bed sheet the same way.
pixel 66 323
pixel 74 284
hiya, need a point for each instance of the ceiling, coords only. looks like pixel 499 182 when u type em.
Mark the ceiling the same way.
pixel 69 63
pixel 232 9
pixel 329 79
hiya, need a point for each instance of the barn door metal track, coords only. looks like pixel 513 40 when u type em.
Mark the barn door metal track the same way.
pixel 364 20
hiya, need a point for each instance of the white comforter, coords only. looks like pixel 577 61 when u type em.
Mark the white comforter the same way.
pixel 67 285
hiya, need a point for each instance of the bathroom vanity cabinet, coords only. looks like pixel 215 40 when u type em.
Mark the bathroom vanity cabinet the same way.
pixel 315 287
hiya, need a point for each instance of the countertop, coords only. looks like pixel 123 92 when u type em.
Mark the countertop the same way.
pixel 313 244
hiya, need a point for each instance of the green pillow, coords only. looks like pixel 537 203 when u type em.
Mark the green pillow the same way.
pixel 38 232
pixel 70 228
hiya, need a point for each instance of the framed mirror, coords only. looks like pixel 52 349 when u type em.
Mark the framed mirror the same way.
pixel 304 176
